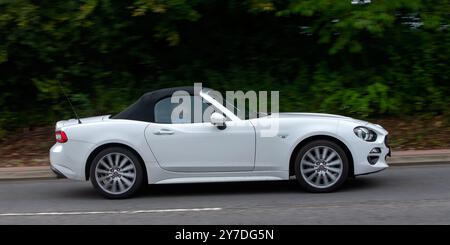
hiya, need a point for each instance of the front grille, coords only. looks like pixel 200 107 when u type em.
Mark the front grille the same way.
pixel 386 143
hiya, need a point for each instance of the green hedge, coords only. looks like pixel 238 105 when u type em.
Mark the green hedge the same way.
pixel 383 58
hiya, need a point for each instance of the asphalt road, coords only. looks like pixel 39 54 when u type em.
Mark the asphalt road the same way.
pixel 398 195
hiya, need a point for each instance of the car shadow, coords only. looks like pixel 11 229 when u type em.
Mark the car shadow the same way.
pixel 259 187
pixel 232 188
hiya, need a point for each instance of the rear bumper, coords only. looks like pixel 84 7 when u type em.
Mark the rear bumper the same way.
pixel 59 175
pixel 69 159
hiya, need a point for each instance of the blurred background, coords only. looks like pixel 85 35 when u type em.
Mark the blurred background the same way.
pixel 383 61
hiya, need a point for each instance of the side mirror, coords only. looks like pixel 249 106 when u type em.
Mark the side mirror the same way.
pixel 217 119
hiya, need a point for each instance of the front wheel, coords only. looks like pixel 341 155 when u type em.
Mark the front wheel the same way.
pixel 321 166
pixel 116 173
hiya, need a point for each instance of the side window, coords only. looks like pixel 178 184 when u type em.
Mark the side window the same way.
pixel 184 110
pixel 163 110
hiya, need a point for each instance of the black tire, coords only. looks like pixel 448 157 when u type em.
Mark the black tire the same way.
pixel 138 172
pixel 339 179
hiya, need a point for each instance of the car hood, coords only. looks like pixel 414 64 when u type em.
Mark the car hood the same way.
pixel 310 115
pixel 73 121
pixel 319 115
pixel 328 116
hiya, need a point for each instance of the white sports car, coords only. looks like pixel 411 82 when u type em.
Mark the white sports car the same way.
pixel 141 144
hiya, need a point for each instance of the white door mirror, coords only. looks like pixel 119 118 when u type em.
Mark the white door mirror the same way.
pixel 217 119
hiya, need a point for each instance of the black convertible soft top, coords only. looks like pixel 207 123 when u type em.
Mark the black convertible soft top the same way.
pixel 142 109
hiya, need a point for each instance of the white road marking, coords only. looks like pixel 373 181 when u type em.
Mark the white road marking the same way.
pixel 112 212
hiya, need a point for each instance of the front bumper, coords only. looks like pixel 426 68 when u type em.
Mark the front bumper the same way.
pixel 362 152
pixel 386 143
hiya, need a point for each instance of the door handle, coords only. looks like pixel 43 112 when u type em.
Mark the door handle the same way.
pixel 164 132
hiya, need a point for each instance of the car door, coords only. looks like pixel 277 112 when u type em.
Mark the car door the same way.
pixel 189 146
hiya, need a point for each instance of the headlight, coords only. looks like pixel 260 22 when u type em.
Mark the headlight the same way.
pixel 365 134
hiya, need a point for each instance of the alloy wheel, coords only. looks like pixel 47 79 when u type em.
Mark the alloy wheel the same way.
pixel 321 167
pixel 115 173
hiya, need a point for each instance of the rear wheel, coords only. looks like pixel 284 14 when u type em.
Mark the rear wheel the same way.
pixel 321 166
pixel 116 173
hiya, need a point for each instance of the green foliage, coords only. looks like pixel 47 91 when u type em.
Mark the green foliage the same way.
pixel 382 58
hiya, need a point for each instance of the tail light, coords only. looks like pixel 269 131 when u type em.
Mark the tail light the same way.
pixel 61 137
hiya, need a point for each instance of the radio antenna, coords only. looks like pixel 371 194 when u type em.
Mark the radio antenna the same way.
pixel 70 102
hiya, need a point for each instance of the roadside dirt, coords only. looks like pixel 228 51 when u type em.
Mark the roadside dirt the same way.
pixel 417 134
pixel 26 147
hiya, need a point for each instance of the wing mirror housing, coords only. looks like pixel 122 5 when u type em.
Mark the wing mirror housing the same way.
pixel 217 119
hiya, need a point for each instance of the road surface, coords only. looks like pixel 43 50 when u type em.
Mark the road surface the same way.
pixel 398 195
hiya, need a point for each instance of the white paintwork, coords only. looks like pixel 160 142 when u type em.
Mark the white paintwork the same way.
pixel 202 147
pixel 201 152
